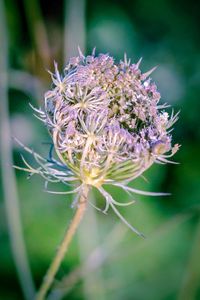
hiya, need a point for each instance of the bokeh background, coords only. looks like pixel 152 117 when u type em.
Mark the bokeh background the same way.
pixel 105 260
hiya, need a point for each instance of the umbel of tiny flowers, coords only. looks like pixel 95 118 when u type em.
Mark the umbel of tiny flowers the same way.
pixel 107 127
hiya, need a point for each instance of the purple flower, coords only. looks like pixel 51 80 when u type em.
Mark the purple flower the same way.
pixel 106 123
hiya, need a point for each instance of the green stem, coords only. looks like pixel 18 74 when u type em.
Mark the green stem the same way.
pixel 48 279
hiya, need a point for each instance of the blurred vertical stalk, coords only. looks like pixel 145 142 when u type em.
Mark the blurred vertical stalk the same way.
pixel 88 239
pixel 74 36
pixel 94 261
pixel 38 32
pixel 74 28
pixel 8 176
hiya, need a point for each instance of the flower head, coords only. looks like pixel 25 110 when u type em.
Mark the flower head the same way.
pixel 106 123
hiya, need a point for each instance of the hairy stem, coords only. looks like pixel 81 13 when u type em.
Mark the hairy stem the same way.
pixel 48 279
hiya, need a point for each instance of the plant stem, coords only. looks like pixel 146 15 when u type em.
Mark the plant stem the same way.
pixel 92 263
pixel 48 279
pixel 74 35
pixel 93 286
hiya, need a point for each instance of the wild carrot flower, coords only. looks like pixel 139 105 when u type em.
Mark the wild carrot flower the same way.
pixel 107 128
pixel 106 124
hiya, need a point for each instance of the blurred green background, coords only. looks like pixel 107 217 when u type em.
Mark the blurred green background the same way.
pixel 113 263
